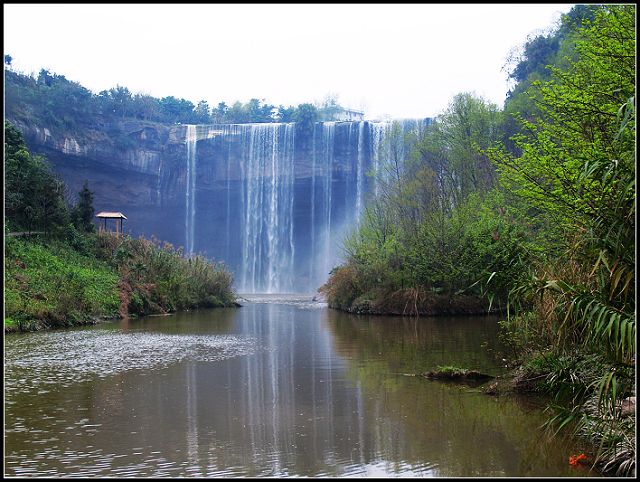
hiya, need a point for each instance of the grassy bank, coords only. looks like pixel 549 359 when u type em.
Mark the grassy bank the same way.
pixel 55 283
pixel 154 277
pixel 59 272
pixel 52 285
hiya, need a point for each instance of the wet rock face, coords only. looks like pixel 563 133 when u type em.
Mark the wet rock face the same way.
pixel 121 161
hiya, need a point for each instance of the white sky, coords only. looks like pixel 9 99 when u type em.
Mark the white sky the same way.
pixel 400 60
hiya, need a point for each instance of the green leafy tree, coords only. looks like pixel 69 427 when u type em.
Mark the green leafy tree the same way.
pixel 305 117
pixel 538 52
pixel 45 77
pixel 219 113
pixel 238 113
pixel 259 111
pixel 202 112
pixel 177 110
pixel 83 211
pixel 577 168
pixel 34 197
pixel 285 114
pixel 453 147
pixel 146 107
pixel 532 64
pixel 580 125
pixel 121 100
pixel 254 110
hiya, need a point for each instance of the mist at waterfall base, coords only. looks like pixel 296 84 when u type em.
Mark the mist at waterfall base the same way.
pixel 275 202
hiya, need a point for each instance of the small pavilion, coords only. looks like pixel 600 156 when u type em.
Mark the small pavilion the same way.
pixel 119 218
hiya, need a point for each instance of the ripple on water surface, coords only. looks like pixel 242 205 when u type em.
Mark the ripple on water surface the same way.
pixel 67 357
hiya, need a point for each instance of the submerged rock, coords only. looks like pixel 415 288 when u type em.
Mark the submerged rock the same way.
pixel 461 374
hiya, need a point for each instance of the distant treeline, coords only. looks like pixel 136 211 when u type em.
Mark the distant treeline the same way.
pixel 59 102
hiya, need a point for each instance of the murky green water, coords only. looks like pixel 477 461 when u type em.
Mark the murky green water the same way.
pixel 276 388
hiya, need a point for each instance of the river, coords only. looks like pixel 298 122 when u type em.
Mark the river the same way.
pixel 281 387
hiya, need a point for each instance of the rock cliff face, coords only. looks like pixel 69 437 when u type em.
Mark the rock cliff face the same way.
pixel 126 153
pixel 270 200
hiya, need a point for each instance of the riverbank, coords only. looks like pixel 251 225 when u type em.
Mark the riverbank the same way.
pixel 23 326
pixel 409 302
pixel 51 283
pixel 607 435
pixel 59 272
pixel 522 381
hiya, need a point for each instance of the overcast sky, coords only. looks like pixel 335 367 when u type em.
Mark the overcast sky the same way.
pixel 400 60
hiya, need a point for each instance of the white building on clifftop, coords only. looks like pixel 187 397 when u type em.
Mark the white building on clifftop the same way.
pixel 350 115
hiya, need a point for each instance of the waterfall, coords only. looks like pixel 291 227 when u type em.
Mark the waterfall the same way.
pixel 328 133
pixel 360 172
pixel 159 185
pixel 267 238
pixel 312 255
pixel 228 206
pixel 192 138
pixel 379 153
pixel 276 204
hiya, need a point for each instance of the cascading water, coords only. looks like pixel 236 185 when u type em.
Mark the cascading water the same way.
pixel 312 214
pixel 360 172
pixel 191 141
pixel 328 134
pixel 274 203
pixel 267 241
pixel 159 185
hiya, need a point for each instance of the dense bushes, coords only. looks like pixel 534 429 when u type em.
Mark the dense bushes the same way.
pixel 156 278
pixel 577 167
pixel 439 228
pixel 474 253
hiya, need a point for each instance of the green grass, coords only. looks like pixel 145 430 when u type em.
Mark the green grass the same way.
pixel 54 285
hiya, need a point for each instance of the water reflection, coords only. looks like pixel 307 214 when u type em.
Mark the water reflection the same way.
pixel 416 345
pixel 271 389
